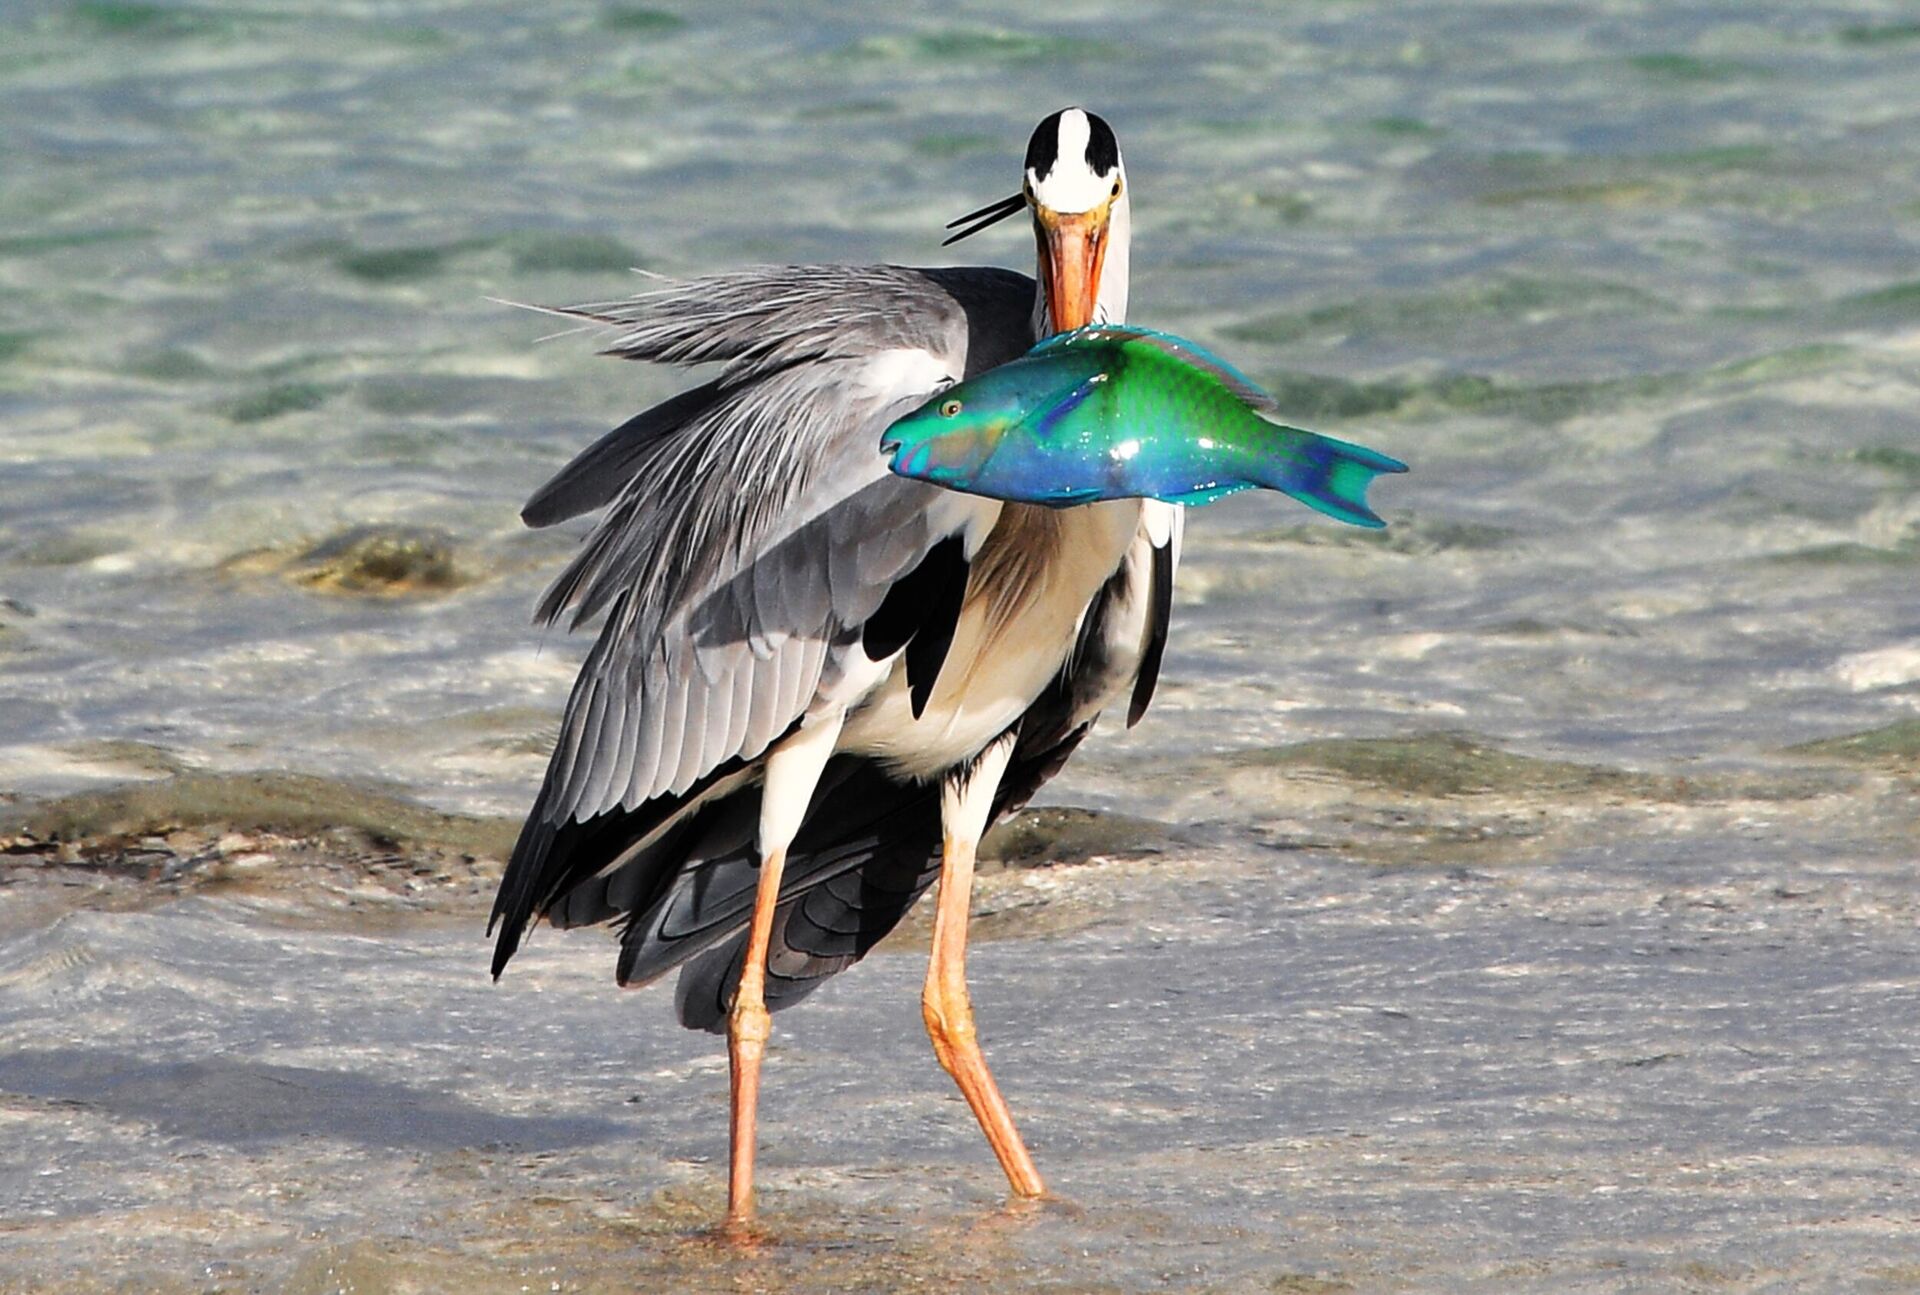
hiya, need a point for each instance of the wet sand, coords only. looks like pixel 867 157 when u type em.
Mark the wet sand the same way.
pixel 1440 1017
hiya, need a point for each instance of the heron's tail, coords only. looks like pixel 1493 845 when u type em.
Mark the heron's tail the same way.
pixel 683 876
pixel 870 846
pixel 1327 475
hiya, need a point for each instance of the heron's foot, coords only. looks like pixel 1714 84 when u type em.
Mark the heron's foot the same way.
pixel 741 1234
pixel 1045 1205
pixel 1018 1213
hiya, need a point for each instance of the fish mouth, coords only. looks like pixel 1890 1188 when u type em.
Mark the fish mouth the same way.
pixel 908 458
pixel 896 437
pixel 934 459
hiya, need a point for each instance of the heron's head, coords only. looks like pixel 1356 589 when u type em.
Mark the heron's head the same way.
pixel 1075 187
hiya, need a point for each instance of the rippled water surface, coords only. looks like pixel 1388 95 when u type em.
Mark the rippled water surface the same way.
pixel 1540 913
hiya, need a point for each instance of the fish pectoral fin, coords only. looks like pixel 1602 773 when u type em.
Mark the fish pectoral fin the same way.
pixel 1068 498
pixel 1045 422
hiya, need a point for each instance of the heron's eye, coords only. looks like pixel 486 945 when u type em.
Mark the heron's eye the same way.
pixel 949 408
pixel 1116 189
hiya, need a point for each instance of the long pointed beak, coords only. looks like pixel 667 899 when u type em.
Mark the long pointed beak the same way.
pixel 1073 247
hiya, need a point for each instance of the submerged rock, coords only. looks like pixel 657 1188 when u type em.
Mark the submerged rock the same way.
pixel 1064 834
pixel 314 844
pixel 126 755
pixel 326 842
pixel 297 804
pixel 380 560
pixel 1896 745
pixel 1457 764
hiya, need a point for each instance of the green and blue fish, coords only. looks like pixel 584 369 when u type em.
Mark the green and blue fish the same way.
pixel 1115 412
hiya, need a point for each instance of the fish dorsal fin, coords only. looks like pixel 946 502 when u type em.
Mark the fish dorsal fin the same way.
pixel 1178 348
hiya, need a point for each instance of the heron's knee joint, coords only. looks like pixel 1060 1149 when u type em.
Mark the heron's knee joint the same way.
pixel 949 1019
pixel 749 1024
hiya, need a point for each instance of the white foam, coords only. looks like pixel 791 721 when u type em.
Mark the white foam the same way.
pixel 1881 668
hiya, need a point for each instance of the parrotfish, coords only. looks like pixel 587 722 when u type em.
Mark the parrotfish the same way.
pixel 1113 412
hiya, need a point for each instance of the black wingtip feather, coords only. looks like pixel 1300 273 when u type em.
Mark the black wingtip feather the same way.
pixel 920 613
pixel 1158 615
pixel 514 903
pixel 927 650
pixel 549 861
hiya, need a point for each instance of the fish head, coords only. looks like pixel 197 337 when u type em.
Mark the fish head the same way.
pixel 950 439
pixel 975 433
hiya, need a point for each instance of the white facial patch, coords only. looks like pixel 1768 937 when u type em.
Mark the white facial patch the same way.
pixel 907 371
pixel 1071 184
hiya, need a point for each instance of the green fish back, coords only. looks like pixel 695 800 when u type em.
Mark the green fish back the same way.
pixel 1152 389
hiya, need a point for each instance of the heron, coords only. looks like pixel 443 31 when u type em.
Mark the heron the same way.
pixel 815 684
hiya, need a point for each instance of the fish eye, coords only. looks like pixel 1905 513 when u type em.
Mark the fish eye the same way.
pixel 949 408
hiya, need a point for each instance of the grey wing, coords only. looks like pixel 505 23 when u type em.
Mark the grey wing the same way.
pixel 758 320
pixel 745 551
pixel 750 543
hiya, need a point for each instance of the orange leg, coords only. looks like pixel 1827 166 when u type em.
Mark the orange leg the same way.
pixel 948 1011
pixel 747 1029
pixel 791 772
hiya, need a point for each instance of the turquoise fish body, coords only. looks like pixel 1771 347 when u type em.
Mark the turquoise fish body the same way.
pixel 1114 412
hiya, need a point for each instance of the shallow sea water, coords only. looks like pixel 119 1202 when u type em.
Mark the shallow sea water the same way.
pixel 1542 910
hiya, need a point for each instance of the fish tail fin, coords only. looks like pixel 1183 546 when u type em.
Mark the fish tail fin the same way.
pixel 1327 475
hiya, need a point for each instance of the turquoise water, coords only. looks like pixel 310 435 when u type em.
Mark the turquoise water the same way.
pixel 1634 288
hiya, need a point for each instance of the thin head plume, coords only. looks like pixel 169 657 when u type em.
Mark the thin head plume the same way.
pixel 593 320
pixel 991 214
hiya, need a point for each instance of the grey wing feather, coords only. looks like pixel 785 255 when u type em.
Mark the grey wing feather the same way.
pixel 601 471
pixel 760 320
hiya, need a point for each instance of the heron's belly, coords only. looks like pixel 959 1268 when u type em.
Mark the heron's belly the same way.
pixel 1030 585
